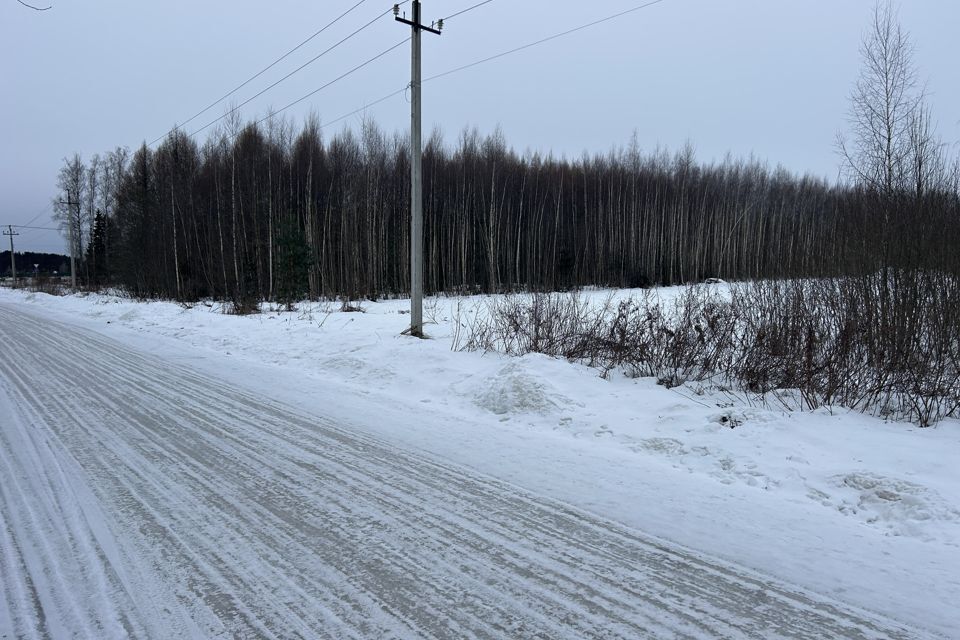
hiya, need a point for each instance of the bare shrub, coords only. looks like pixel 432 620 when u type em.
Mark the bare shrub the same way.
pixel 641 335
pixel 240 308
pixel 45 284
pixel 348 306
pixel 554 324
pixel 885 343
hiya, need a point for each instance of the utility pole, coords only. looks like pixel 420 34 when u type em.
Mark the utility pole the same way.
pixel 73 244
pixel 13 264
pixel 416 168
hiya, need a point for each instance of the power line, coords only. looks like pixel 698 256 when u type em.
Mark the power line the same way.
pixel 259 73
pixel 451 71
pixel 337 79
pixel 34 229
pixel 30 234
pixel 494 57
pixel 297 70
pixel 459 13
pixel 547 39
pixel 31 220
pixel 34 218
pixel 364 107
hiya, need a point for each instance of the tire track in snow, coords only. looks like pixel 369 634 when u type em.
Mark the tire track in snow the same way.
pixel 243 517
pixel 40 517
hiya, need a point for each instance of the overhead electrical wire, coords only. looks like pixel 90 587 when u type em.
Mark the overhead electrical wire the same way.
pixel 261 72
pixel 258 74
pixel 499 55
pixel 309 62
pixel 33 219
pixel 364 107
pixel 459 13
pixel 399 91
pixel 335 80
pixel 32 233
pixel 544 40
pixel 270 66
pixel 297 70
pixel 434 77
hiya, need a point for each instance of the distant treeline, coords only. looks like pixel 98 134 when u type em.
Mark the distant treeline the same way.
pixel 47 263
pixel 279 213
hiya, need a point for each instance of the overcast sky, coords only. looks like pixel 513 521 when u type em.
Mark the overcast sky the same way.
pixel 764 77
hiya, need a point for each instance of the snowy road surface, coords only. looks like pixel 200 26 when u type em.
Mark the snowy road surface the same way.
pixel 141 499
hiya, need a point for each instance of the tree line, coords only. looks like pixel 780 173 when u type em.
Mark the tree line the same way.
pixel 273 212
pixel 31 262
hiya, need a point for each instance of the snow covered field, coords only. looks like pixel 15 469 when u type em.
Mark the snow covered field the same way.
pixel 848 506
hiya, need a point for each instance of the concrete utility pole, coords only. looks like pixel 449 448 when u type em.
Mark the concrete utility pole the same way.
pixel 73 244
pixel 13 263
pixel 416 168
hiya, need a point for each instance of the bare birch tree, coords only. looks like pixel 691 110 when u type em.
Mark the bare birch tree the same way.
pixel 68 206
pixel 883 107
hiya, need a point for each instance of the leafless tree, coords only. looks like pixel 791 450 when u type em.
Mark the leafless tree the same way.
pixel 884 107
pixel 68 207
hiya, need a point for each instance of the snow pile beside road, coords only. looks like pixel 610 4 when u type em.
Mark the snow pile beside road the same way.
pixel 839 503
pixel 516 388
pixel 898 506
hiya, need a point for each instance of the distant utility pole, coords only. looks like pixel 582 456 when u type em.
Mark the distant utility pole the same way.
pixel 416 168
pixel 73 244
pixel 13 263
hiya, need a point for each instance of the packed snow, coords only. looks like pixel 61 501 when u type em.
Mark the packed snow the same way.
pixel 853 507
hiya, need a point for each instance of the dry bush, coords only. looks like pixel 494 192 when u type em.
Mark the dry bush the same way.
pixel 557 325
pixel 885 343
pixel 348 306
pixel 45 284
pixel 642 336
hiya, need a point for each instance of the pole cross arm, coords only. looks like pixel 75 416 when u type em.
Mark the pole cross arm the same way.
pixel 418 26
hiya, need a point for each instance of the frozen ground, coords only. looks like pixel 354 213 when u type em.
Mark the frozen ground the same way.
pixel 861 511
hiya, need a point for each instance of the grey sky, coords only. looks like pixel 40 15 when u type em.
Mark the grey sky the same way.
pixel 767 77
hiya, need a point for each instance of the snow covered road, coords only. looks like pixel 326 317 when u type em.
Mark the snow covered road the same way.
pixel 139 498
